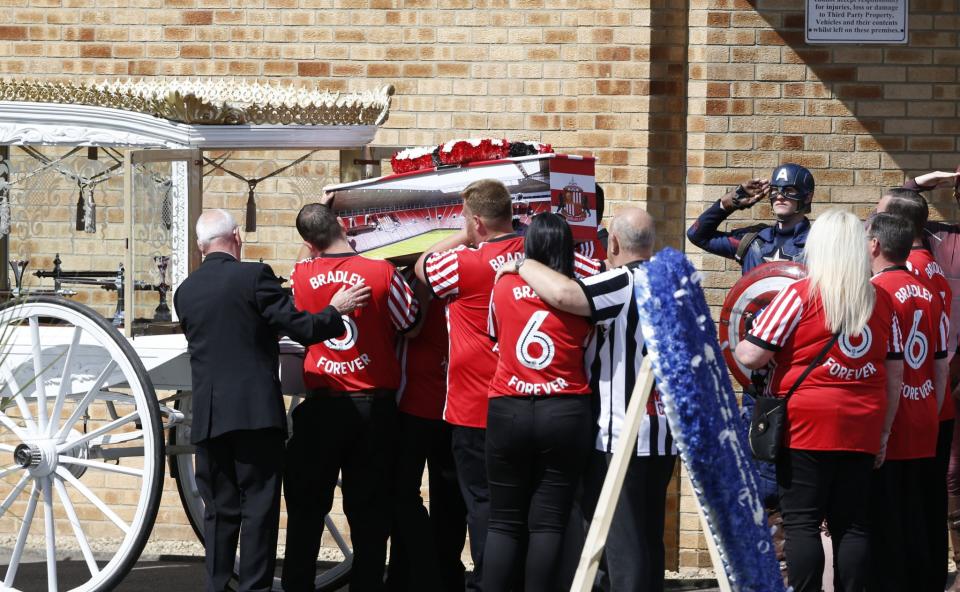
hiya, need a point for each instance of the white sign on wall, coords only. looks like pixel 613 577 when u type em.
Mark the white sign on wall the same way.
pixel 856 21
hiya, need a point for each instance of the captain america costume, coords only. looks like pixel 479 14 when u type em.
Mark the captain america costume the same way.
pixel 765 243
pixel 770 243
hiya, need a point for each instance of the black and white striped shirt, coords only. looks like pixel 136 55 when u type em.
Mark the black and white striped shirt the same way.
pixel 614 358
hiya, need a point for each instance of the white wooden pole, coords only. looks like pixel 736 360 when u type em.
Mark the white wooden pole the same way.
pixel 128 312
pixel 613 483
pixel 718 570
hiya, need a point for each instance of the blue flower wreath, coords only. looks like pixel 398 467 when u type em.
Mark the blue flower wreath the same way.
pixel 704 419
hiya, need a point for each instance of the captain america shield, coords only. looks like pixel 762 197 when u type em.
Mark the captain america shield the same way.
pixel 744 303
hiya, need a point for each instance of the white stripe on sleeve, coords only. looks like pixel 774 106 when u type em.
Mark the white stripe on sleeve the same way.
pixel 895 346
pixel 784 331
pixel 777 322
pixel 443 273
pixel 584 267
pixel 944 332
pixel 402 304
pixel 492 320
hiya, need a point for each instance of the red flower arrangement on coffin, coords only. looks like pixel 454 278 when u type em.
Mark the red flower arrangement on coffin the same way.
pixel 414 159
pixel 458 152
pixel 473 150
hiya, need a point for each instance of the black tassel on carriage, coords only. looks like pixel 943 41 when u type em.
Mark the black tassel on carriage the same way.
pixel 251 223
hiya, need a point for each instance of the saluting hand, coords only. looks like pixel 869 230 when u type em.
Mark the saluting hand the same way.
pixel 756 189
pixel 349 298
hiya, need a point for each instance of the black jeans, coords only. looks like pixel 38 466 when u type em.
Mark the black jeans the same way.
pixel 816 485
pixel 899 538
pixel 425 549
pixel 238 475
pixel 633 558
pixel 469 454
pixel 330 435
pixel 935 502
pixel 536 451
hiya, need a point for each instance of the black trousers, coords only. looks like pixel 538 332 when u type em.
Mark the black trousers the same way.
pixel 900 536
pixel 469 455
pixel 818 485
pixel 935 502
pixel 536 451
pixel 425 549
pixel 238 475
pixel 633 559
pixel 332 435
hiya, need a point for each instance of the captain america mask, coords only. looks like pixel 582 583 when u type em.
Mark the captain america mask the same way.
pixel 788 192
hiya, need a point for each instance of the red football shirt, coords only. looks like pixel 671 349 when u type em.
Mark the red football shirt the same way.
pixel 920 316
pixel 464 278
pixel 541 348
pixel 365 356
pixel 841 403
pixel 423 358
pixel 924 266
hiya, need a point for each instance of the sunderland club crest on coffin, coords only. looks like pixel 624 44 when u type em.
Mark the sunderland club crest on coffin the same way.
pixel 744 303
pixel 573 205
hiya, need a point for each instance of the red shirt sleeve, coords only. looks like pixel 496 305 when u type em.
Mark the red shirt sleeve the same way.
pixel 442 271
pixel 584 267
pixel 402 303
pixel 776 323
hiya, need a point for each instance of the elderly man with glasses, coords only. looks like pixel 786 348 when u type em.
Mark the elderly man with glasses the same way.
pixel 790 191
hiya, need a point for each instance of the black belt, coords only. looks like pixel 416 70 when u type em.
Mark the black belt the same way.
pixel 364 395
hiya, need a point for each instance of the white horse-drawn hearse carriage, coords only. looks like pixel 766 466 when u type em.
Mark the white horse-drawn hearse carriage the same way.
pixel 94 405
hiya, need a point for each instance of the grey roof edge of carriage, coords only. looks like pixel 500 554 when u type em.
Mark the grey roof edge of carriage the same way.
pixel 216 101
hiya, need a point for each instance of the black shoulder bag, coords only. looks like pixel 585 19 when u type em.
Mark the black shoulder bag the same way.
pixel 770 415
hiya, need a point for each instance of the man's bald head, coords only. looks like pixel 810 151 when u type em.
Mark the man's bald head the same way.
pixel 634 231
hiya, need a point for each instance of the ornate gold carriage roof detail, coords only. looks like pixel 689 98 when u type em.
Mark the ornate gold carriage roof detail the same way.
pixel 212 102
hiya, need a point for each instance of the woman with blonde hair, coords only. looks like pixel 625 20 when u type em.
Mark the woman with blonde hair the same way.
pixel 835 324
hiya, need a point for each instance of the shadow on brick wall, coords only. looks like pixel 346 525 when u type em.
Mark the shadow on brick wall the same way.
pixel 868 112
pixel 667 91
pixel 666 160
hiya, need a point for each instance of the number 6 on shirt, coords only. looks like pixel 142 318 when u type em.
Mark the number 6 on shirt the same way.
pixel 916 341
pixel 530 335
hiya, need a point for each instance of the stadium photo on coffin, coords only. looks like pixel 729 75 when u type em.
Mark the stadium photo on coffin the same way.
pixel 402 214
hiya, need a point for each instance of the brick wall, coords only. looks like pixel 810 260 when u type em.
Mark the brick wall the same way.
pixel 859 117
pixel 597 76
pixel 576 74
pixel 678 99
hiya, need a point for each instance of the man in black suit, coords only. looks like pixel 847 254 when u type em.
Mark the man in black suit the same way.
pixel 232 313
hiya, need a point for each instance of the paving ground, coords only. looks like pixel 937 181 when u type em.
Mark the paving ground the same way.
pixel 188 576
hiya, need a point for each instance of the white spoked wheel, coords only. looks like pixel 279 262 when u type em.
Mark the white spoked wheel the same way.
pixel 81 450
pixel 333 571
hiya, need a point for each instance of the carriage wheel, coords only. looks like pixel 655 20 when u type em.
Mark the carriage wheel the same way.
pixel 331 575
pixel 81 450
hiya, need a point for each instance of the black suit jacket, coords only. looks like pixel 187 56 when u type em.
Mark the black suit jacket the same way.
pixel 232 313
